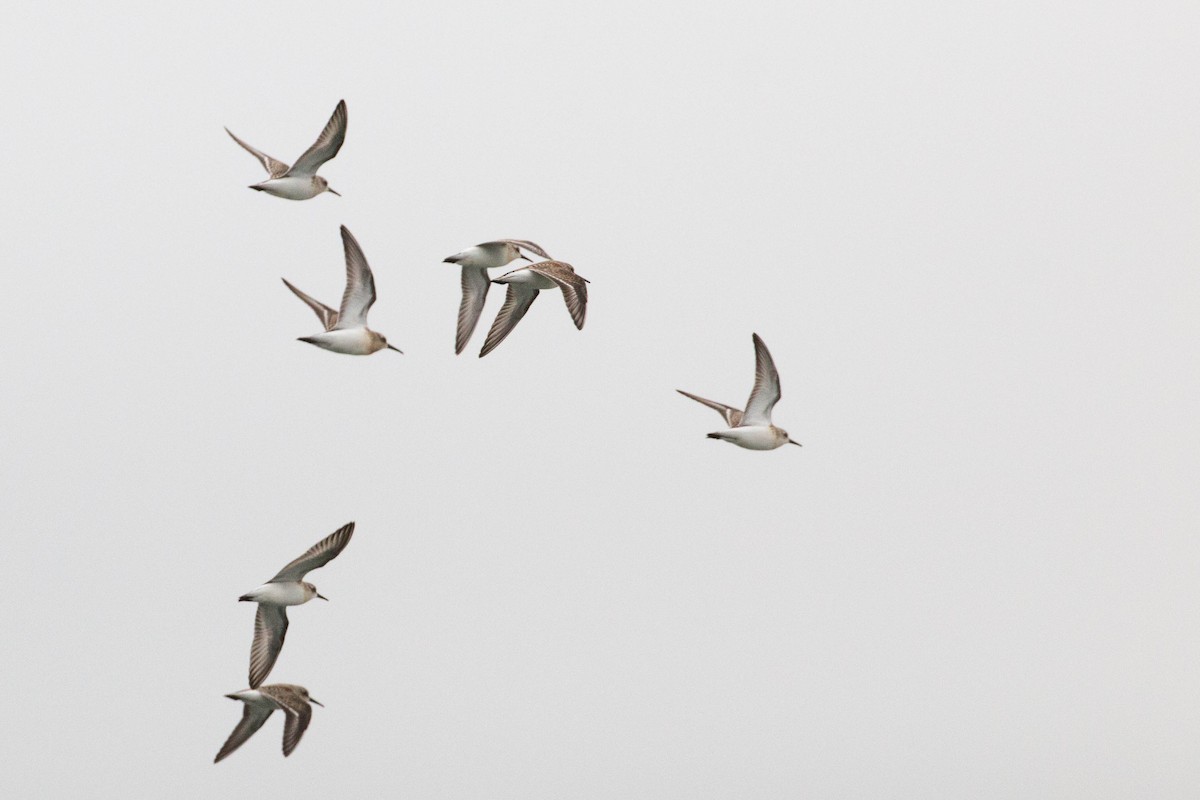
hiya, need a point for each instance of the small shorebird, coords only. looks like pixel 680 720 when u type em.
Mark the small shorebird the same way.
pixel 346 330
pixel 475 262
pixel 752 428
pixel 301 181
pixel 523 287
pixel 292 700
pixel 287 589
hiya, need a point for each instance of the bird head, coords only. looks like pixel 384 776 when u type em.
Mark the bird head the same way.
pixel 324 185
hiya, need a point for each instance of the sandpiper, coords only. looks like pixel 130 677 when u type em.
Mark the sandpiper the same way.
pixel 475 262
pixel 752 428
pixel 287 589
pixel 301 181
pixel 292 700
pixel 346 330
pixel 523 287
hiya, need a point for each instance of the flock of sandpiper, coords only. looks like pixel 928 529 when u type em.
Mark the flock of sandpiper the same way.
pixel 346 331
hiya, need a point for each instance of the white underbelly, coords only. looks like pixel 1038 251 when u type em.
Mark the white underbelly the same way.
pixel 527 277
pixel 482 257
pixel 292 187
pixel 280 594
pixel 352 342
pixel 754 437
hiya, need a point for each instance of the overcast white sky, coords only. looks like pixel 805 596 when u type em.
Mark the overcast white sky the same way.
pixel 967 233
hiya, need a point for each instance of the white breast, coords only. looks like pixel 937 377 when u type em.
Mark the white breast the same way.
pixel 531 278
pixel 352 341
pixel 754 437
pixel 294 187
pixel 280 594
pixel 483 257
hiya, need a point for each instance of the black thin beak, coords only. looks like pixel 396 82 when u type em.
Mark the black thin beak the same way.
pixel 323 597
pixel 331 191
pixel 450 260
pixel 527 258
pixel 315 700
pixel 397 349
pixel 795 443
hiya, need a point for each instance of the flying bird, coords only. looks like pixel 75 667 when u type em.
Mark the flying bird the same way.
pixel 292 700
pixel 287 589
pixel 346 329
pixel 301 181
pixel 475 262
pixel 752 428
pixel 523 287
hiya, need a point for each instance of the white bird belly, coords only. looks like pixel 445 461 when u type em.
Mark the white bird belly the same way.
pixel 530 278
pixel 352 341
pixel 753 437
pixel 292 187
pixel 482 257
pixel 290 593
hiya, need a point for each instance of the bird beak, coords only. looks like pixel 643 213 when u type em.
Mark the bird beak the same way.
pixel 323 597
pixel 315 700
pixel 527 258
pixel 450 259
pixel 397 349
pixel 795 443
pixel 331 191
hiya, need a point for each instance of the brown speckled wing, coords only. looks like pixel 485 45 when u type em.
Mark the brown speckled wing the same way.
pixel 766 392
pixel 731 415
pixel 326 146
pixel 294 728
pixel 532 247
pixel 574 288
pixel 475 285
pixel 360 285
pixel 253 718
pixel 274 167
pixel 270 628
pixel 327 315
pixel 316 556
pixel 516 302
pixel 297 709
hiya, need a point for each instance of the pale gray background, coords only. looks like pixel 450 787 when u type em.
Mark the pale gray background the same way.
pixel 967 233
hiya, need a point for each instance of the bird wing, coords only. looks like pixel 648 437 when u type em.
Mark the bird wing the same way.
pixel 360 285
pixel 294 728
pixel 298 711
pixel 475 285
pixel 532 247
pixel 766 390
pixel 733 416
pixel 316 556
pixel 516 302
pixel 326 146
pixel 270 628
pixel 574 288
pixel 253 717
pixel 274 167
pixel 328 316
